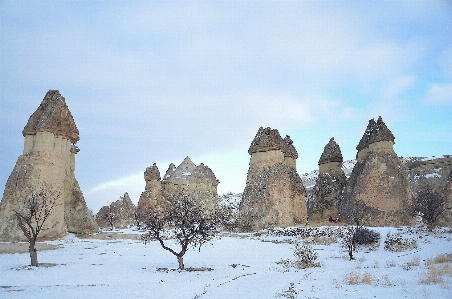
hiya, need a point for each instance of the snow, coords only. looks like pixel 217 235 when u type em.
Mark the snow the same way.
pixel 432 175
pixel 126 268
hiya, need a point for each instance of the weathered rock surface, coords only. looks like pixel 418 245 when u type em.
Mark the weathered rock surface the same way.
pixel 379 180
pixel 48 158
pixel 274 194
pixel 329 185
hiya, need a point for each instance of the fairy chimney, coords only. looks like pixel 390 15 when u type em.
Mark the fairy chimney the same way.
pixel 48 159
pixel 379 180
pixel 274 194
pixel 329 184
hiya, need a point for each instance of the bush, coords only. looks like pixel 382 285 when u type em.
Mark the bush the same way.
pixel 365 236
pixel 396 243
pixel 305 256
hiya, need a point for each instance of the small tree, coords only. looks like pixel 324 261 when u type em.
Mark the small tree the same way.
pixel 429 204
pixel 356 215
pixel 33 213
pixel 184 221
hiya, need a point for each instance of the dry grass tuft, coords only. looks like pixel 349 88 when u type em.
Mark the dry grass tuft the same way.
pixel 390 264
pixel 411 264
pixel 438 268
pixel 320 240
pixel 356 278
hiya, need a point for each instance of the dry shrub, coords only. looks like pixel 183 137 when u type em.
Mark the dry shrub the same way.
pixel 384 281
pixel 438 267
pixel 396 243
pixel 440 259
pixel 355 278
pixel 305 257
pixel 390 264
pixel 320 240
pixel 411 264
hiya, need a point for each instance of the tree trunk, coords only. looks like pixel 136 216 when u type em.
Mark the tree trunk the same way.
pixel 180 260
pixel 33 253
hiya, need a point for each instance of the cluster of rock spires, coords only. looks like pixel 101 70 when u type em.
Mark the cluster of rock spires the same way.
pixel 48 159
pixel 274 195
pixel 199 182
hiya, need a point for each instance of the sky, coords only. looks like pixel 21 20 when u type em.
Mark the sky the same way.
pixel 156 81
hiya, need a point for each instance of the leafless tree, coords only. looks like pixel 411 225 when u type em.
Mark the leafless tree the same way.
pixel 184 221
pixel 356 215
pixel 429 203
pixel 106 214
pixel 33 213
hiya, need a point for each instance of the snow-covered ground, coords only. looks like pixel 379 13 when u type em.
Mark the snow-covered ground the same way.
pixel 243 266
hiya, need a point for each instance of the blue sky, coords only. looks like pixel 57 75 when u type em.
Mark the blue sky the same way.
pixel 152 82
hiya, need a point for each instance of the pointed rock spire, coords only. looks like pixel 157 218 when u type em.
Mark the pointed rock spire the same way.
pixel 152 173
pixel 53 116
pixel 171 169
pixel 331 153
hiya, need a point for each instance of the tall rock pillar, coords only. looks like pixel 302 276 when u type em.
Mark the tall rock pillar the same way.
pixel 274 194
pixel 48 158
pixel 379 180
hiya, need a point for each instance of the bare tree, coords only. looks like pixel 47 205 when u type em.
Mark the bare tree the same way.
pixel 356 214
pixel 184 221
pixel 33 213
pixel 429 203
pixel 106 215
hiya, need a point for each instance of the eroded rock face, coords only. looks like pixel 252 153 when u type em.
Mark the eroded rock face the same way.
pixel 48 158
pixel 379 181
pixel 274 195
pixel 329 185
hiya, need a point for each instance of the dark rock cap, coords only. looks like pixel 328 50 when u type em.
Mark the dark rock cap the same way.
pixel 266 140
pixel 375 132
pixel 53 116
pixel 290 150
pixel 331 153
pixel 152 173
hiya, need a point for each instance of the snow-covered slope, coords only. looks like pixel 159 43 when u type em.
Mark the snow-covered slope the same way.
pixel 243 266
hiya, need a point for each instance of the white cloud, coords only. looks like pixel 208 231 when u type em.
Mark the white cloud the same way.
pixel 439 94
